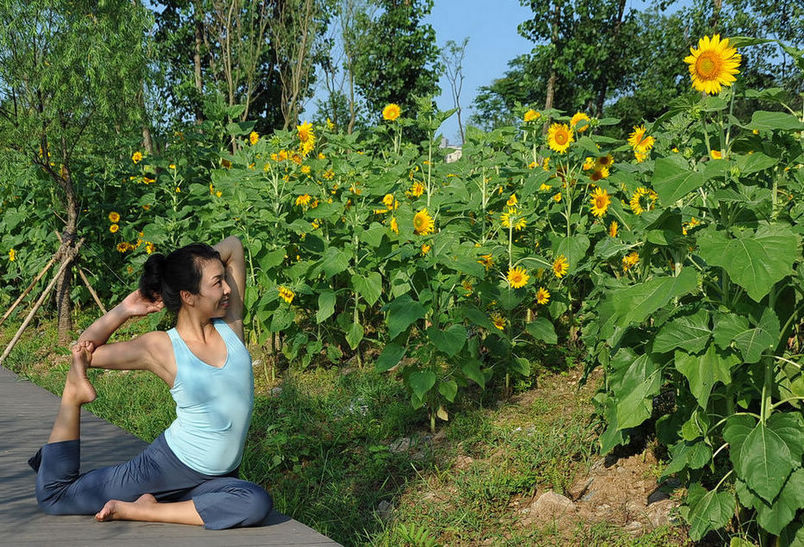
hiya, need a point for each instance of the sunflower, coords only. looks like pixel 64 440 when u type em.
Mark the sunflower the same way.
pixel 123 246
pixel 391 112
pixel 605 161
pixel 305 131
pixel 388 200
pixel 498 320
pixel 512 217
pixel 639 141
pixel 542 296
pixel 713 64
pixel 560 266
pixel 630 260
pixel 641 156
pixel 512 200
pixel 149 247
pixel 114 217
pixel 425 248
pixel 416 190
pixel 286 294
pixel 517 277
pixel 613 228
pixel 467 286
pixel 531 115
pixel 600 202
pixel 12 255
pixel 557 197
pixel 487 261
pixel 642 200
pixel 544 187
pixel 578 118
pixel 136 157
pixel 113 228
pixel 559 137
pixel 304 200
pixel 253 138
pixel 423 223
pixel 716 154
pixel 394 225
pixel 599 173
pixel 546 164
pixel 588 164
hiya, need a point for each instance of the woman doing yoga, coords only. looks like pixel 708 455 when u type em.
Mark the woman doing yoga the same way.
pixel 188 475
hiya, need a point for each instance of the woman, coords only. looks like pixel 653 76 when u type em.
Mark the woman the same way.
pixel 188 475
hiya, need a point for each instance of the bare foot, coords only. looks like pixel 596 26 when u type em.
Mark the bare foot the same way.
pixel 126 510
pixel 77 388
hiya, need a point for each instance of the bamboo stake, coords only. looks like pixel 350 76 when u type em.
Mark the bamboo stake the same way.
pixel 31 286
pixel 65 263
pixel 91 290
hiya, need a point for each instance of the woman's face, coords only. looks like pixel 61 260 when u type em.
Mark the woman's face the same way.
pixel 213 291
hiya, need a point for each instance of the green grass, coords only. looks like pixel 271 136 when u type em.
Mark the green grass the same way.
pixel 321 446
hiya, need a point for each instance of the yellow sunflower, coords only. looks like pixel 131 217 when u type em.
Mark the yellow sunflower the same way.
pixel 498 320
pixel 487 261
pixel 416 190
pixel 391 112
pixel 599 173
pixel 114 217
pixel 639 141
pixel 512 217
pixel 423 223
pixel 531 115
pixel 557 197
pixel 560 266
pixel 12 255
pixel 600 202
pixel 559 137
pixel 136 157
pixel 630 260
pixel 613 228
pixel 394 225
pixel 113 228
pixel 305 131
pixel 713 64
pixel 253 138
pixel 716 154
pixel 304 200
pixel 642 200
pixel 517 277
pixel 388 200
pixel 542 296
pixel 512 200
pixel 605 161
pixel 122 247
pixel 425 248
pixel 286 294
pixel 149 247
pixel 578 118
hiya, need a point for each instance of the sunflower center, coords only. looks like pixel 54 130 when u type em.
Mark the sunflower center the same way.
pixel 707 66
pixel 600 202
pixel 561 137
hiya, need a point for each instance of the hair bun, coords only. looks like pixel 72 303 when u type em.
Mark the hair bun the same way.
pixel 151 280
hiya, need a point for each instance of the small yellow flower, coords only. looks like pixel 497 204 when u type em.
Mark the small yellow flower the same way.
pixel 544 187
pixel 136 157
pixel 546 164
pixel 305 169
pixel 253 138
pixel 391 112
pixel 532 165
pixel 305 131
pixel 148 180
pixel 218 193
pixel 642 200
pixel 716 154
pixel 542 296
pixel 304 200
pixel 498 320
pixel 113 228
pixel 630 260
pixel 329 174
pixel 511 200
pixel 149 247
pixel 559 137
pixel 388 200
pixel 394 225
pixel 599 173
pixel 639 141
pixel 114 217
pixel 487 261
pixel 211 188
pixel 122 247
pixel 605 161
pixel 613 228
pixel 577 119
pixel 285 293
pixel 172 166
pixel 330 124
pixel 557 197
pixel 423 223
pixel 560 266
pixel 416 190
pixel 531 115
pixel 517 277
pixel 600 202
pixel 588 163
pixel 178 189
pixel 425 248
pixel 12 255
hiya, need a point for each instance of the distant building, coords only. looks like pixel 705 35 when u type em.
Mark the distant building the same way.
pixel 457 150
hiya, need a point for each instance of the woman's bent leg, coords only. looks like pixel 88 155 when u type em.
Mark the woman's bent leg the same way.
pixel 227 502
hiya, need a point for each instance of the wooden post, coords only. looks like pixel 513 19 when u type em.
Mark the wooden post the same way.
pixel 91 290
pixel 31 286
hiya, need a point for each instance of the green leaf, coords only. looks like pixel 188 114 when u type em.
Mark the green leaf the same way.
pixel 354 334
pixel 272 259
pixel 792 535
pixel 520 365
pixel 574 248
pixel 753 342
pixel 641 382
pixel 690 332
pixel 403 312
pixel 688 455
pixel 542 329
pixel 703 371
pixel 735 432
pixel 708 510
pixel 326 305
pixel 421 381
pixel 775 517
pixel 672 181
pixel 635 304
pixel 450 341
pixel 369 287
pixel 789 426
pixel 727 327
pixel 752 163
pixel 471 369
pixel 774 120
pixel 334 261
pixel 390 356
pixel 282 318
pixel 755 261
pixel 765 462
pixel 448 389
pixel 373 235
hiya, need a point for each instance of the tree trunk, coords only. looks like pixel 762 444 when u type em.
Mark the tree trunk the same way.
pixel 713 23
pixel 65 282
pixel 551 82
pixel 604 85
pixel 199 85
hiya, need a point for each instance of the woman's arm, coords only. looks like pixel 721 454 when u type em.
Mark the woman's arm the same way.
pixel 234 263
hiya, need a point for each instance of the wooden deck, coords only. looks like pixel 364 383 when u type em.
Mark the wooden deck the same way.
pixel 26 414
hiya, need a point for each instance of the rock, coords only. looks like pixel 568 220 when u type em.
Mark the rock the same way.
pixel 384 510
pixel 657 496
pixel 276 391
pixel 599 465
pixel 633 527
pixel 579 488
pixel 400 445
pixel 551 506
pixel 659 513
pixel 588 496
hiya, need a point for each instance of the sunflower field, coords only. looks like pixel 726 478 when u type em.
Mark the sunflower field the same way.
pixel 674 257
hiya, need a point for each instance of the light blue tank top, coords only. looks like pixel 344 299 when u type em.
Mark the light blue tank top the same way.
pixel 213 405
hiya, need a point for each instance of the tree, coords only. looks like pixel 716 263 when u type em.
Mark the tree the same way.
pixel 68 73
pixel 452 59
pixel 398 57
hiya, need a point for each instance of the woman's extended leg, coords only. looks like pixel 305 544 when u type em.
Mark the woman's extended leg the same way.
pixel 77 392
pixel 147 509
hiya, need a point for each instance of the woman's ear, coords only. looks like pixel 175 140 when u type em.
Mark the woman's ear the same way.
pixel 187 298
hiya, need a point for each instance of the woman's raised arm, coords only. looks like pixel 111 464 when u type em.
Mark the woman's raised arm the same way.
pixel 234 263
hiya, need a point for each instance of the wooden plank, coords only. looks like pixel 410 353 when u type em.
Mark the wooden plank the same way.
pixel 26 415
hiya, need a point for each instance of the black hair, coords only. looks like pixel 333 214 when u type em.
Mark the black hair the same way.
pixel 167 276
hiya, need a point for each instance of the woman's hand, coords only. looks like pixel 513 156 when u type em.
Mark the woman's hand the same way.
pixel 136 305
